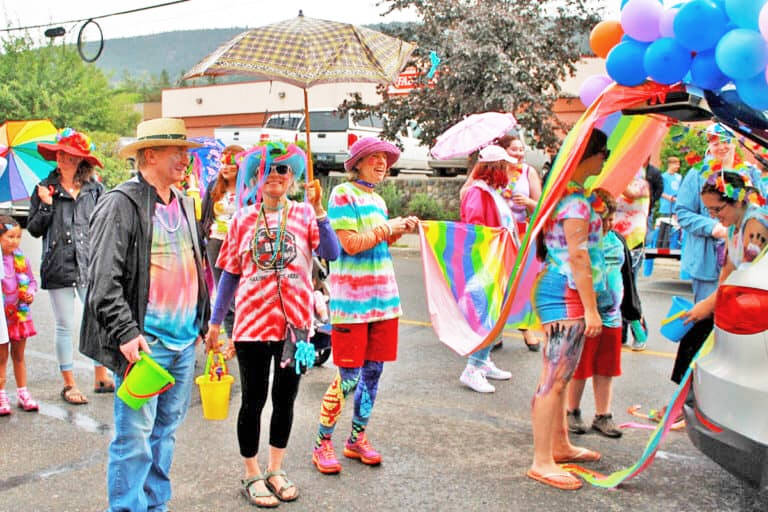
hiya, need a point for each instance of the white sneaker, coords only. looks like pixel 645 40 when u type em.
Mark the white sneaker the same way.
pixel 474 378
pixel 638 346
pixel 491 371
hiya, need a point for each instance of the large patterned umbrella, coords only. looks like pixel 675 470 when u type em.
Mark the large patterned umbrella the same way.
pixel 26 167
pixel 305 52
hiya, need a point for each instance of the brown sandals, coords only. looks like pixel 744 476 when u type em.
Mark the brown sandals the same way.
pixel 74 396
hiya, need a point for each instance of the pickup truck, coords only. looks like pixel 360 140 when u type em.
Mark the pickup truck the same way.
pixel 330 137
pixel 19 210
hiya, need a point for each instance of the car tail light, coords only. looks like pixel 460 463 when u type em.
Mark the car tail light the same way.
pixel 351 139
pixel 264 136
pixel 296 138
pixel 741 310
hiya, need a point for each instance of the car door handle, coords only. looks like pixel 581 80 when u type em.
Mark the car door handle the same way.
pixel 320 135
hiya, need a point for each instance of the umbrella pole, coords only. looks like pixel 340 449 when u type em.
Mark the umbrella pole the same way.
pixel 310 174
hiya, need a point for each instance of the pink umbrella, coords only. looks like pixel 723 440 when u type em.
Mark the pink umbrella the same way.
pixel 471 134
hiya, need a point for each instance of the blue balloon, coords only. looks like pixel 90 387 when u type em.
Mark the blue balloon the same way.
pixel 705 73
pixel 700 24
pixel 741 53
pixel 666 61
pixel 744 13
pixel 624 63
pixel 754 91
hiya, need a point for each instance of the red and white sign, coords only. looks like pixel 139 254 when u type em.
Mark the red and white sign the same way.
pixel 406 81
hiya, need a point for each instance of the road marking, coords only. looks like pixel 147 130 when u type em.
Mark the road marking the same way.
pixel 507 334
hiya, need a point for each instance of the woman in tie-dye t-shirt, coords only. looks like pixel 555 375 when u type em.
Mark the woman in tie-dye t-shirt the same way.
pixel 565 300
pixel 365 302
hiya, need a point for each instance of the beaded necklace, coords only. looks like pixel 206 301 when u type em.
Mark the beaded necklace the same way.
pixel 278 237
pixel 162 223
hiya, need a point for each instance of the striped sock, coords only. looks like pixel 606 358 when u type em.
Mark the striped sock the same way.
pixel 357 429
pixel 320 438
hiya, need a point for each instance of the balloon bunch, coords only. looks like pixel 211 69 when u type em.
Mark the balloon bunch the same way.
pixel 705 43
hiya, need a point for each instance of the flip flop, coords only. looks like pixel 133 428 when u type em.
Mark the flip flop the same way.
pixel 74 396
pixel 563 481
pixel 104 387
pixel 582 455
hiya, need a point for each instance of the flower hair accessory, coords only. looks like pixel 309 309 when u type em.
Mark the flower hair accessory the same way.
pixel 75 139
pixel 715 176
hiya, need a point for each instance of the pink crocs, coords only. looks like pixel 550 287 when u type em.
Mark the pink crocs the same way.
pixel 362 449
pixel 25 400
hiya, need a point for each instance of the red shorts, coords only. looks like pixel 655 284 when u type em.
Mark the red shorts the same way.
pixel 601 355
pixel 353 344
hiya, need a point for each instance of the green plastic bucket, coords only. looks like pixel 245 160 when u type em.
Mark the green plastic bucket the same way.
pixel 143 380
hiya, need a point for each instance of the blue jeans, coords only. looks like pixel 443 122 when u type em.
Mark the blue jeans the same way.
pixel 141 450
pixel 63 304
pixel 480 357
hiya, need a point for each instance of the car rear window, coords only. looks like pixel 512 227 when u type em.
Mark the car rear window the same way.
pixel 284 122
pixel 326 122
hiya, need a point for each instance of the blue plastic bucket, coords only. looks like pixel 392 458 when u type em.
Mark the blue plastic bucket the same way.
pixel 648 267
pixel 672 326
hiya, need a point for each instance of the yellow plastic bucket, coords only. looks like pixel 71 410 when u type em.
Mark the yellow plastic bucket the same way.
pixel 215 387
pixel 215 395
pixel 143 380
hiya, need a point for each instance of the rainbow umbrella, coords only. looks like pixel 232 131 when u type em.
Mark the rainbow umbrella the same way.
pixel 26 167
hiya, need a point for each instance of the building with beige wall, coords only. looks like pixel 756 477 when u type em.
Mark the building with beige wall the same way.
pixel 247 104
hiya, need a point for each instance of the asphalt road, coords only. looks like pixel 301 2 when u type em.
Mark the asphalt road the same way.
pixel 445 448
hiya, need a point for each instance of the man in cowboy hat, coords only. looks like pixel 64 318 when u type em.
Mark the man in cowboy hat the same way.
pixel 146 293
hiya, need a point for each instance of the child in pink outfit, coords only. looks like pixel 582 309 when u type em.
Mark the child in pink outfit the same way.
pixel 19 287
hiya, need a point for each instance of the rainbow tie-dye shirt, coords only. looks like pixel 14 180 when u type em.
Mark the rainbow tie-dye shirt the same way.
pixel 172 307
pixel 363 287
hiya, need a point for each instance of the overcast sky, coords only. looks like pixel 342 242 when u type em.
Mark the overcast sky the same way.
pixel 196 14
pixel 193 14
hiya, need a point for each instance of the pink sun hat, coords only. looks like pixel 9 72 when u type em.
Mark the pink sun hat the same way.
pixel 367 145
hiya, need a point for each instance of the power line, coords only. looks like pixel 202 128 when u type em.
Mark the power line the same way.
pixel 94 17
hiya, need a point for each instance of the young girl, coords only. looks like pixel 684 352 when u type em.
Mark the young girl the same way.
pixel 19 287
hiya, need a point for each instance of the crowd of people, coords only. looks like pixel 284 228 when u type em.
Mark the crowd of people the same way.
pixel 137 257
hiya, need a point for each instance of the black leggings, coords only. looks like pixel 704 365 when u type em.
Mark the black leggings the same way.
pixel 254 358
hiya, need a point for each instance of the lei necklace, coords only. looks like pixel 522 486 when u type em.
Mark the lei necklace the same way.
pixel 21 310
pixel 508 191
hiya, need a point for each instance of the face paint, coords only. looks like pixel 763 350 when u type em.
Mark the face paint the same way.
pixel 561 354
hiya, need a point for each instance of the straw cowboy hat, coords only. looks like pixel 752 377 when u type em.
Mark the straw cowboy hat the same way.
pixel 156 133
pixel 71 142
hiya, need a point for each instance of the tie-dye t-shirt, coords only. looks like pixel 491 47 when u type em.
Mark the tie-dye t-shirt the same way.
pixel 172 307
pixel 363 286
pixel 632 214
pixel 251 250
pixel 609 299
pixel 574 206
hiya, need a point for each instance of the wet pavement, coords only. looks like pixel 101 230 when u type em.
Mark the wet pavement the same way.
pixel 445 448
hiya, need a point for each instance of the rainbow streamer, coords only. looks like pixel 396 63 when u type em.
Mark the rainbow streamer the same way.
pixel 465 267
pixel 630 149
pixel 674 408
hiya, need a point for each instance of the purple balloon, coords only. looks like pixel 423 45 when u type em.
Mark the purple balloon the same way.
pixel 592 87
pixel 640 19
pixel 667 21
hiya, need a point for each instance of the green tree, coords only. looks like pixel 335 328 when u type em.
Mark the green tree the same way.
pixel 52 82
pixel 496 55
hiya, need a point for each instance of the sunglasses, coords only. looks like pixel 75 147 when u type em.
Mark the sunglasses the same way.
pixel 716 209
pixel 281 169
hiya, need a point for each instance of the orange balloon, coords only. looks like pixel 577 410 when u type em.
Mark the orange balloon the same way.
pixel 605 36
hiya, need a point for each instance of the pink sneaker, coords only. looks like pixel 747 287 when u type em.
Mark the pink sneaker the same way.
pixel 362 449
pixel 324 458
pixel 5 405
pixel 25 400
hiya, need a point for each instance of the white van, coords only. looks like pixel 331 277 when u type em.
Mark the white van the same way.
pixel 330 135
